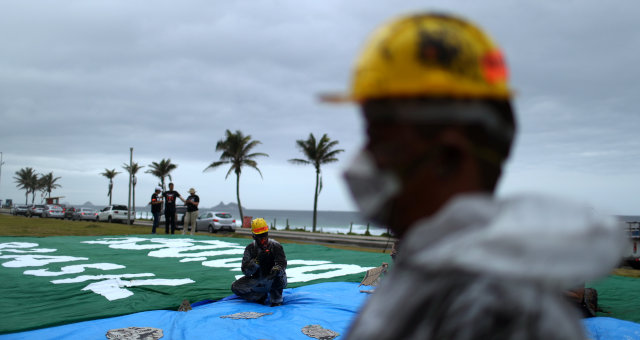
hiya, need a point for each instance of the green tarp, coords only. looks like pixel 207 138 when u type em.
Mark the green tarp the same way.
pixel 57 280
pixel 618 297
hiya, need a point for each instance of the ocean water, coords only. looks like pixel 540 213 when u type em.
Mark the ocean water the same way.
pixel 327 221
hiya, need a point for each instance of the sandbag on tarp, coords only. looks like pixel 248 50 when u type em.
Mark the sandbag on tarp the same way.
pixel 330 305
pixel 603 328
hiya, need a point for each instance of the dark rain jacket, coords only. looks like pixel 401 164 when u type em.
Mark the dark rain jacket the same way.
pixel 264 260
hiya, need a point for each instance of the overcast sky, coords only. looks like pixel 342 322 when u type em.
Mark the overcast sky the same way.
pixel 83 81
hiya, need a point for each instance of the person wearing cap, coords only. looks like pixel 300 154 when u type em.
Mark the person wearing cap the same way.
pixel 156 208
pixel 263 265
pixel 434 94
pixel 170 197
pixel 191 216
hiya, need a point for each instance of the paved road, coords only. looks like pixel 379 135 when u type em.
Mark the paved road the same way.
pixel 361 241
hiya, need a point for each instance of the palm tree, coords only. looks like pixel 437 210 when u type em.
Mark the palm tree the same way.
pixel 110 174
pixel 48 183
pixel 162 169
pixel 132 170
pixel 26 179
pixel 317 153
pixel 235 151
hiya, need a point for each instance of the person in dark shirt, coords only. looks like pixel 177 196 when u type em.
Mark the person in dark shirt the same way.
pixel 263 265
pixel 156 208
pixel 170 197
pixel 191 216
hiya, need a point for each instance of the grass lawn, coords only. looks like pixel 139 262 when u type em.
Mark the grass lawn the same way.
pixel 24 226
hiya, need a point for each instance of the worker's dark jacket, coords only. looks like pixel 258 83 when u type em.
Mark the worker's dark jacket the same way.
pixel 273 255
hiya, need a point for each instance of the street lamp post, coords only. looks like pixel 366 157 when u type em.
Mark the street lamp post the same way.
pixel 1 162
pixel 130 180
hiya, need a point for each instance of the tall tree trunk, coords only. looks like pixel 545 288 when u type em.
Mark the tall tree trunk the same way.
pixel 110 190
pixel 315 201
pixel 238 196
pixel 26 197
pixel 134 199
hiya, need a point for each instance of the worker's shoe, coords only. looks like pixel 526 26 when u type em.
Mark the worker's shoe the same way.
pixel 276 304
pixel 262 300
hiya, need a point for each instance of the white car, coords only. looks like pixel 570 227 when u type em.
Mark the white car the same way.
pixel 113 213
pixel 214 221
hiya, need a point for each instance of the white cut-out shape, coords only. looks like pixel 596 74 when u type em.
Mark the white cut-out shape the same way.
pixel 306 262
pixel 14 245
pixel 133 243
pixel 113 288
pixel 36 260
pixel 193 259
pixel 182 252
pixel 83 278
pixel 74 269
pixel 224 263
pixel 35 250
pixel 309 273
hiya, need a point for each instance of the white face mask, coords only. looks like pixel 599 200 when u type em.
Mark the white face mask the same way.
pixel 371 188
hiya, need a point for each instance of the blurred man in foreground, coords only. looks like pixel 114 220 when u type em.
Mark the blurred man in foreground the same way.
pixel 433 91
pixel 263 265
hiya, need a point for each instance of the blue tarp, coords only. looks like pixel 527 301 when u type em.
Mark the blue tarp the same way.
pixel 332 305
pixel 603 328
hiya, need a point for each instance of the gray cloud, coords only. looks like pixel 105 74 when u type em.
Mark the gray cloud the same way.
pixel 82 82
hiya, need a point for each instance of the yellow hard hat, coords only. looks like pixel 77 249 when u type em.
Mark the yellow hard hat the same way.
pixel 428 55
pixel 259 226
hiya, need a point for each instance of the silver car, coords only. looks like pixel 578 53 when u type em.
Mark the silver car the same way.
pixel 214 221
pixel 52 211
pixel 35 210
pixel 84 214
pixel 20 209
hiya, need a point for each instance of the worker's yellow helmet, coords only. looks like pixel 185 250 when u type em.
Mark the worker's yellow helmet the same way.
pixel 429 55
pixel 259 226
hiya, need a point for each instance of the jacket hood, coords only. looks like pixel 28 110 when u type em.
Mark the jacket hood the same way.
pixel 544 239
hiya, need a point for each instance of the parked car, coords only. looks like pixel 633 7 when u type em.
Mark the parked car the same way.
pixel 52 211
pixel 84 214
pixel 180 210
pixel 214 221
pixel 20 209
pixel 69 212
pixel 113 213
pixel 35 210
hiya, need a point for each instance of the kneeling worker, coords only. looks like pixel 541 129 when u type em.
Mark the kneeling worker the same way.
pixel 263 266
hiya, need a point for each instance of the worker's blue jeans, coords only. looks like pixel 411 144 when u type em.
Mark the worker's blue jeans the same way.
pixel 256 289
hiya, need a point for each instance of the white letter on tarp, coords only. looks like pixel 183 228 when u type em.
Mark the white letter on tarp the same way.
pixel 79 268
pixel 111 285
pixel 36 260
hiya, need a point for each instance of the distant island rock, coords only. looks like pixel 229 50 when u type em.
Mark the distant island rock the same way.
pixel 228 206
pixel 88 204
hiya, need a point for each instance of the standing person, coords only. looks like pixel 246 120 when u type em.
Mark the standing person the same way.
pixel 191 216
pixel 156 208
pixel 263 266
pixel 170 197
pixel 433 91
